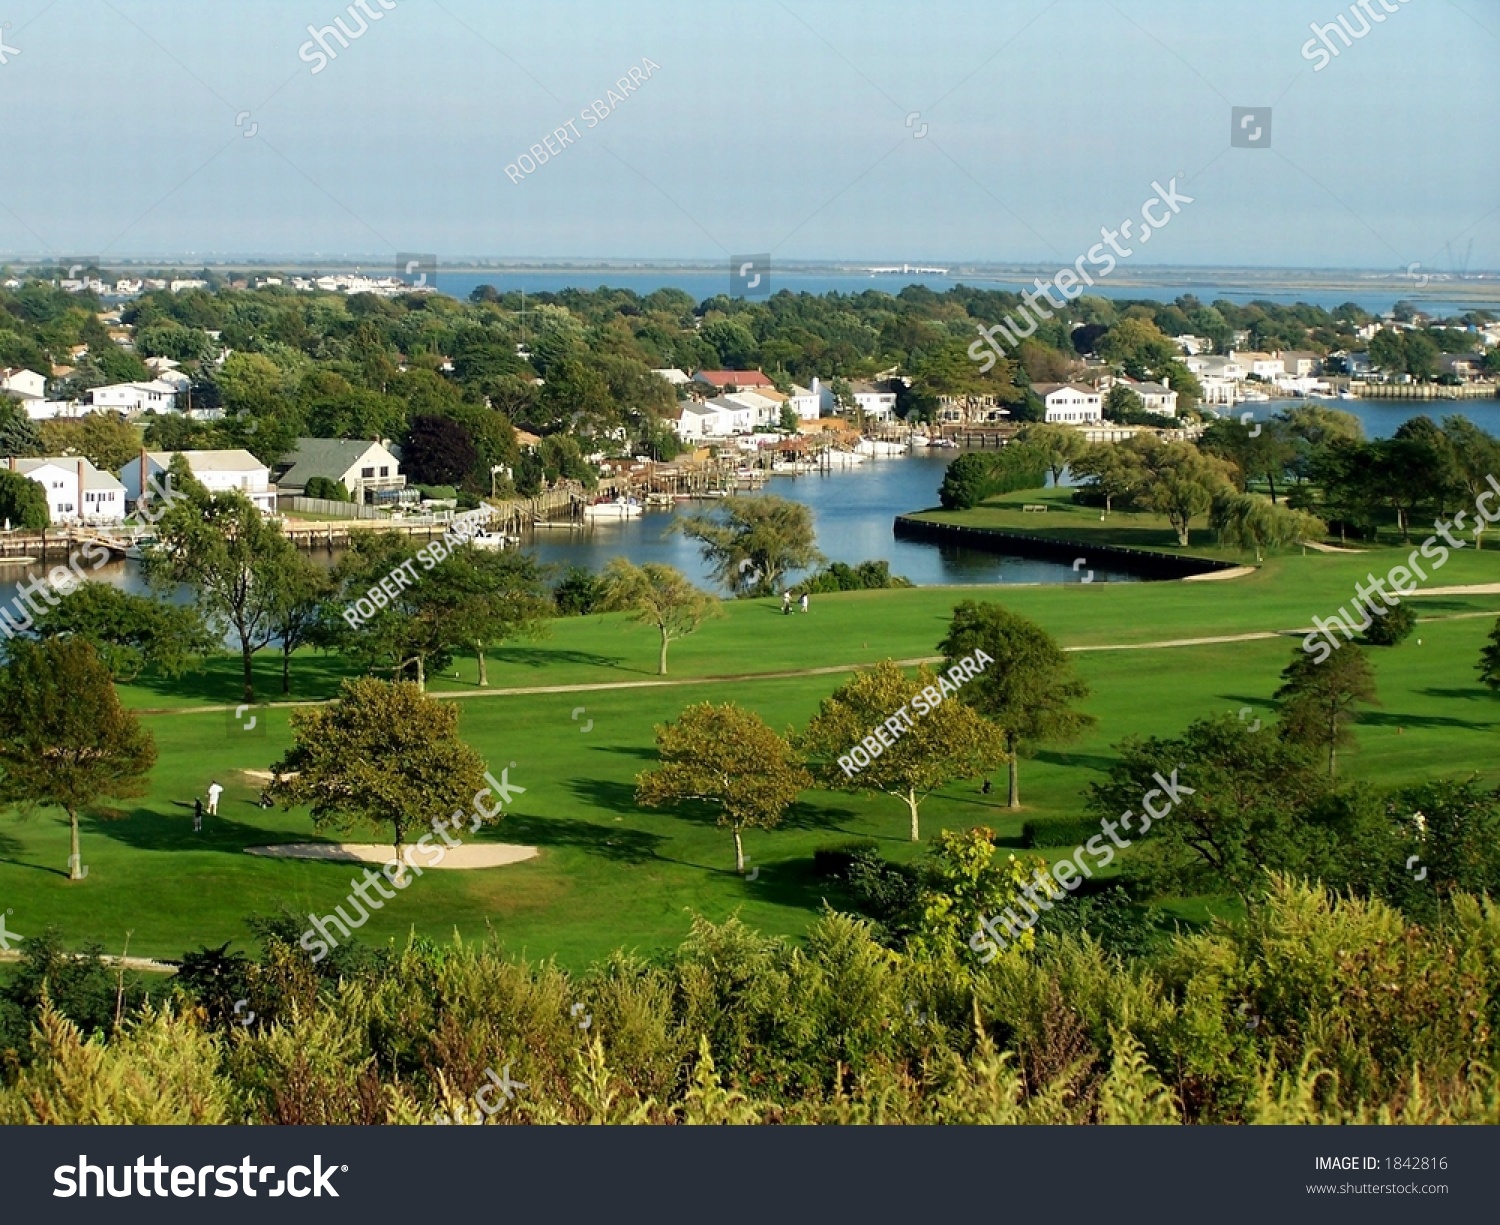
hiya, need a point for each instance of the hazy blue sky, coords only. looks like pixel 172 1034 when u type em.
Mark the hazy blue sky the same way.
pixel 769 126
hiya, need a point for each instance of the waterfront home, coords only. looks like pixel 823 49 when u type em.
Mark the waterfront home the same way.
pixel 216 471
pixel 368 471
pixel 77 492
pixel 877 403
pixel 720 381
pixel 765 405
pixel 135 398
pixel 1157 398
pixel 809 403
pixel 1262 365
pixel 1300 364
pixel 1070 404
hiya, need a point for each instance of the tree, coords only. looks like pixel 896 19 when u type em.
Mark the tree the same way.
pixel 384 754
pixel 1320 700
pixel 439 451
pixel 129 632
pixel 1392 629
pixel 1489 658
pixel 417 627
pixel 729 759
pixel 751 542
pixel 1211 809
pixel 1263 451
pixel 491 597
pixel 658 595
pixel 1177 481
pixel 1111 471
pixel 1060 445
pixel 1029 688
pixel 23 502
pixel 18 434
pixel 104 439
pixel 948 742
pixel 220 545
pixel 65 739
pixel 298 591
pixel 1248 521
pixel 1475 458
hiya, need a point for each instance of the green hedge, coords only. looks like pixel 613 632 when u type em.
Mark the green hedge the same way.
pixel 1058 831
pixel 972 478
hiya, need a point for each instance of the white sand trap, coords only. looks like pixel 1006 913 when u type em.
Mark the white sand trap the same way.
pixel 488 855
pixel 264 776
pixel 1216 575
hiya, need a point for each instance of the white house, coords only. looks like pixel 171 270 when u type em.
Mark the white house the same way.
pixel 1070 404
pixel 368 471
pixel 23 384
pixel 694 422
pixel 1157 397
pixel 77 492
pixel 809 403
pixel 767 409
pixel 876 403
pixel 216 471
pixel 734 417
pixel 50 410
pixel 135 398
pixel 1262 365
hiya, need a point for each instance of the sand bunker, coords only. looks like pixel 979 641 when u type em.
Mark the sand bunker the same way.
pixel 488 855
pixel 1215 575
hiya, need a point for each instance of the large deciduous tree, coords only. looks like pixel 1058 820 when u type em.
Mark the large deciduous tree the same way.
pixel 1178 481
pixel 950 741
pixel 660 596
pixel 65 739
pixel 383 754
pixel 130 632
pixel 727 758
pixel 752 542
pixel 232 556
pixel 1248 521
pixel 1030 687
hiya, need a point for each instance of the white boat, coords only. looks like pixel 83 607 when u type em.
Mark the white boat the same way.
pixel 919 440
pixel 790 467
pixel 1255 397
pixel 141 548
pixel 620 508
pixel 483 538
pixel 943 444
pixel 1347 395
pixel 843 459
pixel 872 448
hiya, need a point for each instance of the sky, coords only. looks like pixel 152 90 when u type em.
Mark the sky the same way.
pixel 881 131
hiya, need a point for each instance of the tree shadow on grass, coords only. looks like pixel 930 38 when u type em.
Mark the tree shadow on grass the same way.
pixel 542 657
pixel 1055 757
pixel 1386 718
pixel 220 683
pixel 615 843
pixel 10 853
pixel 1476 693
pixel 145 829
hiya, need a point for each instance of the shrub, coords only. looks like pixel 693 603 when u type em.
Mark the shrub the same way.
pixel 972 478
pixel 1393 628
pixel 834 862
pixel 867 576
pixel 328 489
pixel 438 493
pixel 1057 831
pixel 578 592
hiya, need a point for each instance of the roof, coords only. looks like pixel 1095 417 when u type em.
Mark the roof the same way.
pixel 92 477
pixel 209 461
pixel 673 375
pixel 750 399
pixel 329 457
pixel 1150 389
pixel 736 378
pixel 1046 389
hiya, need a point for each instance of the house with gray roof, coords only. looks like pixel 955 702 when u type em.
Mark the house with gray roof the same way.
pixel 367 469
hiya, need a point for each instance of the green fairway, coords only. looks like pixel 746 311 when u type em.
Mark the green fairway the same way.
pixel 613 876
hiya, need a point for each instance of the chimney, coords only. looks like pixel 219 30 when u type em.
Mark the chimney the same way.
pixel 1166 381
pixel 79 504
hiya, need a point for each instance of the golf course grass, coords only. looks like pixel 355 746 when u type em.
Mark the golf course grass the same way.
pixel 613 876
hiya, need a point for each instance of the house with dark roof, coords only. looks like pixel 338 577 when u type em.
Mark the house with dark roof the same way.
pixel 367 469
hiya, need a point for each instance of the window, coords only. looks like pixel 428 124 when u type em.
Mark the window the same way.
pixel 384 470
pixel 366 474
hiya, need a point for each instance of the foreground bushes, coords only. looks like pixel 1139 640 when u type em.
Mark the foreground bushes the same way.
pixel 1315 1009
